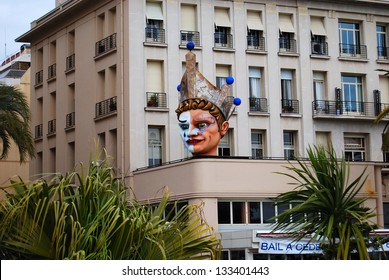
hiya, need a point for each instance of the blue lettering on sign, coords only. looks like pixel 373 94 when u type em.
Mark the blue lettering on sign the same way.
pixel 271 246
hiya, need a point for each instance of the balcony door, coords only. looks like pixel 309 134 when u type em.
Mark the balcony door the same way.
pixel 352 94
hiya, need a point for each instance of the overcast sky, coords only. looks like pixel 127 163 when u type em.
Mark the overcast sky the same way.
pixel 15 19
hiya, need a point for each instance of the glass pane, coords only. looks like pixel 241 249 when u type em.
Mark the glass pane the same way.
pixel 237 255
pixel 223 212
pixel 255 212
pixel 282 208
pixel 268 212
pixel 238 213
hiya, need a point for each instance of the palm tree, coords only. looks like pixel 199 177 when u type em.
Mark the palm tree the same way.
pixel 325 205
pixel 14 123
pixel 94 220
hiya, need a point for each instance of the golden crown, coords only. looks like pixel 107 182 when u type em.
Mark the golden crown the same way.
pixel 195 85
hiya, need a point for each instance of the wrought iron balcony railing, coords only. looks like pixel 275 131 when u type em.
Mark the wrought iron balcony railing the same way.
pixel 156 99
pixel 256 43
pixel 106 107
pixel 38 131
pixel 52 71
pixel 319 48
pixel 290 106
pixel 38 78
pixel 190 36
pixel 105 45
pixel 353 51
pixel 51 127
pixel 70 62
pixel 223 40
pixel 287 45
pixel 347 108
pixel 155 35
pixel 258 105
pixel 70 120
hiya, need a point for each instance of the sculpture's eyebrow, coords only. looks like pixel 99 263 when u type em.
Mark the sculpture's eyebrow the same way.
pixel 184 121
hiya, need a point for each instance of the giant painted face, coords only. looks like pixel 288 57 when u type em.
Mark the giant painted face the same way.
pixel 200 132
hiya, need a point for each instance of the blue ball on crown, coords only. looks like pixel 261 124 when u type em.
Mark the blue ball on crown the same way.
pixel 237 101
pixel 230 80
pixel 179 87
pixel 190 46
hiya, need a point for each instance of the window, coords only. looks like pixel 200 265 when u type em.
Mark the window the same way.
pixel 154 22
pixel 289 145
pixel 246 212
pixel 318 33
pixel 269 211
pixel 237 255
pixel 349 38
pixel 257 144
pixel 286 40
pixel 155 95
pixel 189 25
pixel 222 72
pixel 254 82
pixel 319 91
pixel 352 93
pixel 223 37
pixel 287 91
pixel 255 38
pixel 354 148
pixel 381 41
pixel 318 86
pixel 224 148
pixel 155 146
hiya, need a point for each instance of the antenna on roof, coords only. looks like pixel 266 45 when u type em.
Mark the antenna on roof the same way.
pixel 5 41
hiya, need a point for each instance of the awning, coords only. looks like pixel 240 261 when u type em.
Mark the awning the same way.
pixel 188 18
pixel 286 24
pixel 317 27
pixel 254 21
pixel 154 11
pixel 222 18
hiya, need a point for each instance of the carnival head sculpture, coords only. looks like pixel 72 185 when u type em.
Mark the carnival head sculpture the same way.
pixel 204 109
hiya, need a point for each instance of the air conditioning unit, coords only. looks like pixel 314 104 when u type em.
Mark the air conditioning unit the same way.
pixel 317 48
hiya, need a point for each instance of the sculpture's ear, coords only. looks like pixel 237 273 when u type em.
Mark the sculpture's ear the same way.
pixel 224 128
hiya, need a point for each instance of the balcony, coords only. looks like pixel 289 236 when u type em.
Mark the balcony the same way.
pixel 52 71
pixel 106 107
pixel 256 43
pixel 70 121
pixel 223 40
pixel 258 105
pixel 39 78
pixel 329 108
pixel 290 106
pixel 189 36
pixel 156 100
pixel 155 35
pixel 287 45
pixel 51 127
pixel 353 51
pixel 38 131
pixel 70 62
pixel 319 49
pixel 382 53
pixel 105 45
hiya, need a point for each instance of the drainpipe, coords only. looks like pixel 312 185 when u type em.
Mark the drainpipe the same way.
pixel 122 142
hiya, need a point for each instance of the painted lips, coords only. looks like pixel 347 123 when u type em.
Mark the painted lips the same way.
pixel 193 141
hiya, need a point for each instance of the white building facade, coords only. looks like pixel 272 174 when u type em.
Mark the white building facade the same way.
pixel 107 72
